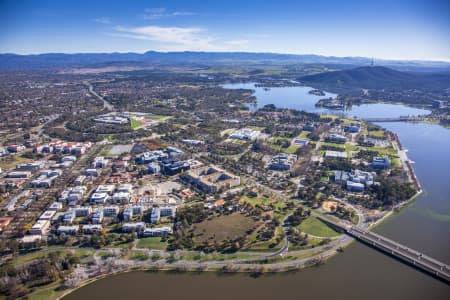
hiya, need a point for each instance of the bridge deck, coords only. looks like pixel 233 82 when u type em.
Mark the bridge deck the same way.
pixel 411 256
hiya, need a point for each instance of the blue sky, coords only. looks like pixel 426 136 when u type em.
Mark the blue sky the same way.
pixel 397 29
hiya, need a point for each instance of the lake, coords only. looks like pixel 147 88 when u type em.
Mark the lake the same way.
pixel 359 272
pixel 297 97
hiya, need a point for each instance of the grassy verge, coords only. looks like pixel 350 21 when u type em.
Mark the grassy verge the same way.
pixel 315 227
pixel 139 256
pixel 48 292
pixel 154 243
pixel 134 123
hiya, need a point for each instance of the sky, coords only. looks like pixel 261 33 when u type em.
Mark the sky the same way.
pixel 389 29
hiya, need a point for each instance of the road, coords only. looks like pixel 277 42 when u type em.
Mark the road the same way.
pixel 404 253
pixel 106 104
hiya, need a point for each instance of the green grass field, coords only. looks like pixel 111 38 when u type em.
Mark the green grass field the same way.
pixel 134 123
pixel 315 227
pixel 303 135
pixel 291 149
pixel 139 256
pixel 10 161
pixel 377 133
pixel 257 200
pixel 46 292
pixel 152 243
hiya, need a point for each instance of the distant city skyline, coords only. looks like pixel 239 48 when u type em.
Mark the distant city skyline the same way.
pixel 408 30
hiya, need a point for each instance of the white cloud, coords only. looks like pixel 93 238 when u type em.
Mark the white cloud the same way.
pixel 180 38
pixel 103 20
pixel 187 37
pixel 238 43
pixel 157 13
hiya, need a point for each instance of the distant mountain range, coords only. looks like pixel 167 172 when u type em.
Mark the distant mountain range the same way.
pixel 61 60
pixel 376 77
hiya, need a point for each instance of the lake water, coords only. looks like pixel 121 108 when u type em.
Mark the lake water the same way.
pixel 297 97
pixel 357 273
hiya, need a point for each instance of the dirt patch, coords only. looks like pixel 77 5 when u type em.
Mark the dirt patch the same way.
pixel 154 144
pixel 329 206
pixel 224 227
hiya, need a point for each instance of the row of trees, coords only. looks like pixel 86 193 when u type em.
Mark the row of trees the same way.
pixel 19 280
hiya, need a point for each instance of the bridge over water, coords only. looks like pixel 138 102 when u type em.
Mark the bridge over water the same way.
pixel 410 256
pixel 398 119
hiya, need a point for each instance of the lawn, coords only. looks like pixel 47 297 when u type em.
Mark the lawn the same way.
pixel 280 138
pixel 291 149
pixel 228 131
pixel 46 292
pixel 303 135
pixel 349 147
pixel 139 256
pixel 152 243
pixel 223 227
pixel 120 244
pixel 135 123
pixel 337 145
pixel 316 227
pixel 10 161
pixel 326 116
pixel 24 258
pixel 312 243
pixel 257 200
pixel 264 246
pixel 214 256
pixel 377 133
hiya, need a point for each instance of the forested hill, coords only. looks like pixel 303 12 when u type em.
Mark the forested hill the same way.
pixel 376 77
pixel 63 60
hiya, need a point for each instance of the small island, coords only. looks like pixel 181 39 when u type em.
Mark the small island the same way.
pixel 331 103
pixel 316 92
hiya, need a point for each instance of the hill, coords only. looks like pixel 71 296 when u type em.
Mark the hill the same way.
pixel 62 60
pixel 376 77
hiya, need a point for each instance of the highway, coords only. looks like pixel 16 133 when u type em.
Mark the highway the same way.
pixel 106 104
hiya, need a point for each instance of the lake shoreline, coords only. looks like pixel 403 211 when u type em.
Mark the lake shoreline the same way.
pixel 375 224
pixel 336 250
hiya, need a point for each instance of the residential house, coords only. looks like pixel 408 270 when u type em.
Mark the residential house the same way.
pixel 91 172
pixel 79 180
pixel 100 162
